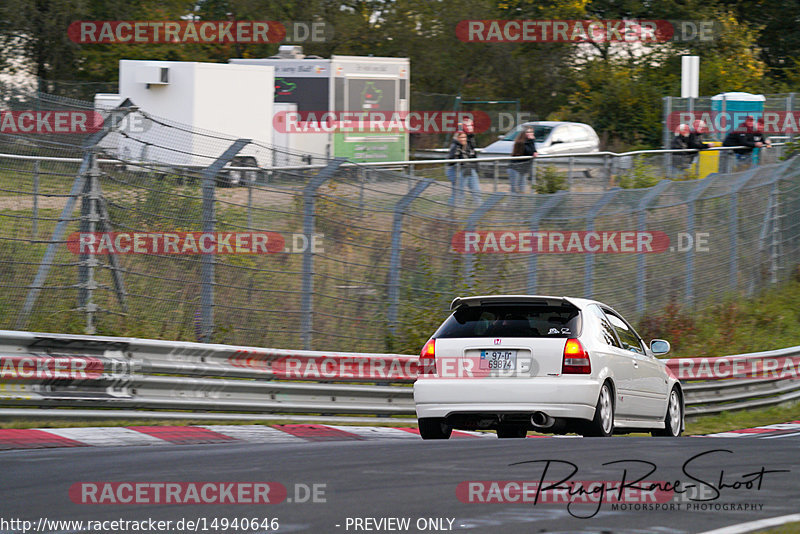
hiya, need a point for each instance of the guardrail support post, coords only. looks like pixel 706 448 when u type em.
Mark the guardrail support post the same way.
pixel 394 254
pixel 209 175
pixel 309 204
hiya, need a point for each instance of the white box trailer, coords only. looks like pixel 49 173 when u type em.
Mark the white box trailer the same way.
pixel 213 97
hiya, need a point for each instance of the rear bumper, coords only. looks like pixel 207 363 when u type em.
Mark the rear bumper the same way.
pixel 556 396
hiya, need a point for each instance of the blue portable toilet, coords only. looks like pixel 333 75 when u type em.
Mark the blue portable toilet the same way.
pixel 728 111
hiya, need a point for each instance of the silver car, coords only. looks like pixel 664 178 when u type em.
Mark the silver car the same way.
pixel 552 138
pixel 515 363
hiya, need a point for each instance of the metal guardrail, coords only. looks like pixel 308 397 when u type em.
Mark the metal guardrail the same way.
pixel 110 377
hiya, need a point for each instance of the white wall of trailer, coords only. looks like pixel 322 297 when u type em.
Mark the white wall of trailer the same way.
pixel 219 98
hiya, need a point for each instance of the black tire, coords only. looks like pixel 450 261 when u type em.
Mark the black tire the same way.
pixel 434 428
pixel 602 425
pixel 674 418
pixel 511 431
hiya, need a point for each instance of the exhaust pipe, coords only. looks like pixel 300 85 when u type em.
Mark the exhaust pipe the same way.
pixel 542 420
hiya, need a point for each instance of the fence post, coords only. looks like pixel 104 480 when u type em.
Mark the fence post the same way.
pixel 35 224
pixel 641 263
pixel 588 270
pixel 539 214
pixel 64 219
pixel 695 193
pixel 209 181
pixel 733 229
pixel 475 216
pixel 667 134
pixel 394 255
pixel 569 172
pixel 249 205
pixel 87 262
pixel 309 204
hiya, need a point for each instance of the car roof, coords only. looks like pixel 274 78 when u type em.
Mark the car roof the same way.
pixel 551 123
pixel 519 299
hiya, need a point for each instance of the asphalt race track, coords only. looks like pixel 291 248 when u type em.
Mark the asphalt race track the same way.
pixel 361 484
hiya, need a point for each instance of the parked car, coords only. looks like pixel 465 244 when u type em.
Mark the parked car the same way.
pixel 515 363
pixel 552 138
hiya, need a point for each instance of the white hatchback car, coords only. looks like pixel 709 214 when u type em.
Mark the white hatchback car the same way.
pixel 516 363
pixel 552 138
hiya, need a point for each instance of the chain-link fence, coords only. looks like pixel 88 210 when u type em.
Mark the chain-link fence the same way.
pixel 162 231
pixel 726 113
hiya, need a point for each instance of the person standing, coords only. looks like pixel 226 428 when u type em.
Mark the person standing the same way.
pixel 467 178
pixel 524 145
pixel 744 136
pixel 760 137
pixel 699 128
pixel 462 176
pixel 681 160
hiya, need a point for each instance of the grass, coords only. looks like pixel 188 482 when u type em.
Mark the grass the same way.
pixel 788 528
pixel 768 321
pixel 743 419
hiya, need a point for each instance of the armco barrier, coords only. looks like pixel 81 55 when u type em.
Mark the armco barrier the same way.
pixel 111 376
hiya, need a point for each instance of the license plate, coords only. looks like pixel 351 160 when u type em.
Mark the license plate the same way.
pixel 502 360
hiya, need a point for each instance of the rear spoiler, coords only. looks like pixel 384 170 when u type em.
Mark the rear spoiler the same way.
pixel 459 302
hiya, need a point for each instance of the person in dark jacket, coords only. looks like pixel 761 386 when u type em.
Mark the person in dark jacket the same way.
pixel 699 128
pixel 681 160
pixel 463 175
pixel 524 145
pixel 760 137
pixel 744 136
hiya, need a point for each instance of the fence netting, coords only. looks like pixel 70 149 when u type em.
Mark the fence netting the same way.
pixel 108 232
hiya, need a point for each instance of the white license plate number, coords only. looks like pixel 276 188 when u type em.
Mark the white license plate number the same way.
pixel 501 360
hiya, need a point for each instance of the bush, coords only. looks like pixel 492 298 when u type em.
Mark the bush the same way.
pixel 549 180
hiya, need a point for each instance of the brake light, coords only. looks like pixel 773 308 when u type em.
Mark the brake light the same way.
pixel 576 359
pixel 427 358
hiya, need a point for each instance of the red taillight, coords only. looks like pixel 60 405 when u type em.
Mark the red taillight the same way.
pixel 427 358
pixel 576 359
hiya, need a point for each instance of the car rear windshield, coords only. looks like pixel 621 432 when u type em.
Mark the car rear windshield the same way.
pixel 512 321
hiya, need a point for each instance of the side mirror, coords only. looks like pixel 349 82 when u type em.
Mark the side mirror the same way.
pixel 557 140
pixel 500 137
pixel 659 347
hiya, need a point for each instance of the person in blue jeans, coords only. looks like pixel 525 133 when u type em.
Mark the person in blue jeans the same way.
pixel 524 145
pixel 462 176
